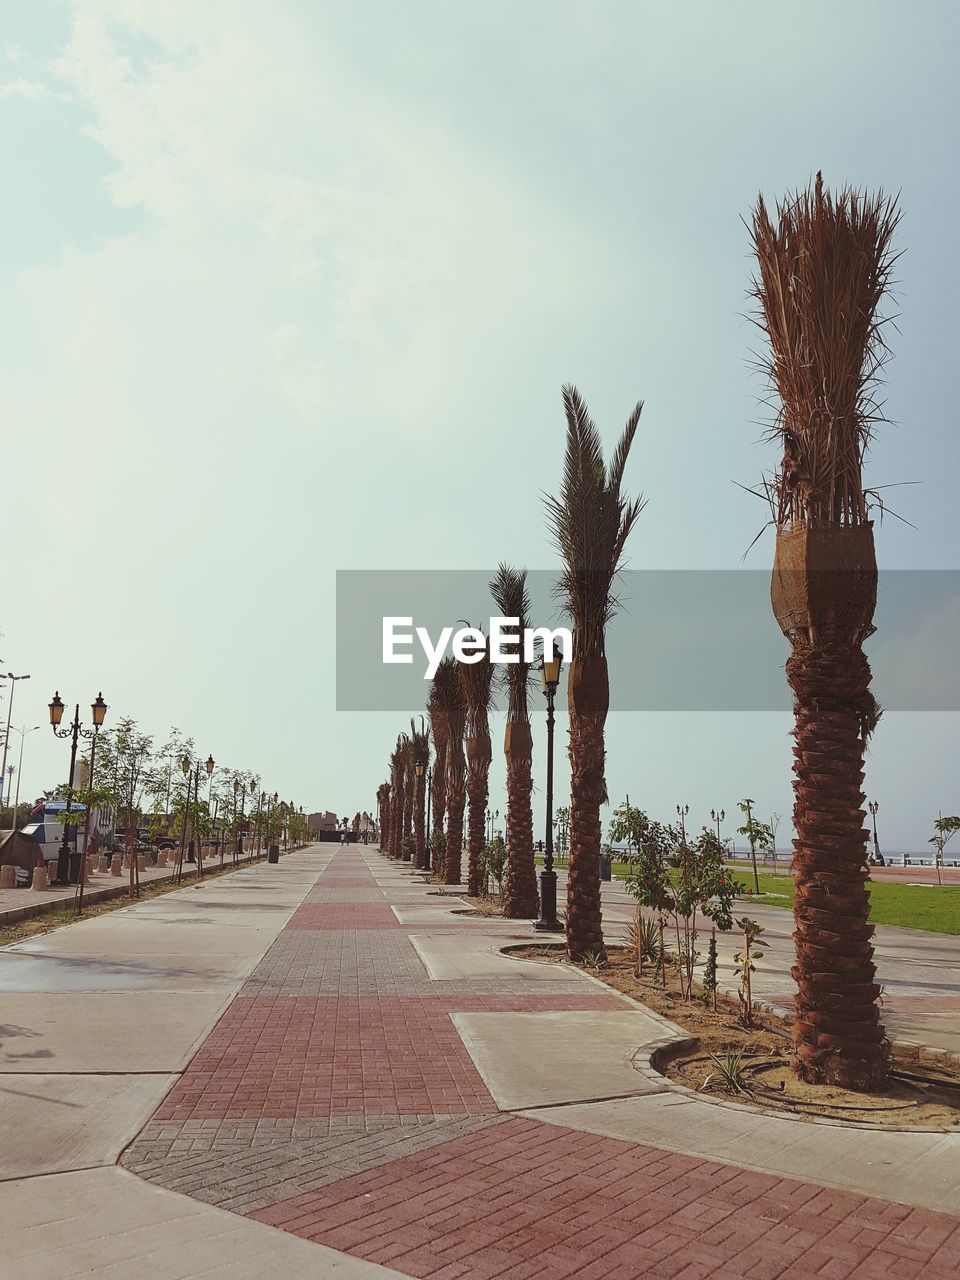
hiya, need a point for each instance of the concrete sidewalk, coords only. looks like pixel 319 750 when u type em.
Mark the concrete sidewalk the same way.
pixel 399 1097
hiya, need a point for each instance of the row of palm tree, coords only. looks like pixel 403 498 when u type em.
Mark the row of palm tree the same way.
pixel 458 709
pixel 824 268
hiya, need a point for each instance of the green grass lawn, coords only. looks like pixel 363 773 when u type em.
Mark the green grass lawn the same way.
pixel 935 908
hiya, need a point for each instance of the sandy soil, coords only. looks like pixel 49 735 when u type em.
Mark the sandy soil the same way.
pixel 924 1091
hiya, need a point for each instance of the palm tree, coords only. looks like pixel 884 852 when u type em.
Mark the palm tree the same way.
pixel 420 757
pixel 409 787
pixel 383 802
pixel 590 521
pixel 398 780
pixel 476 680
pixel 446 685
pixel 520 898
pixel 824 268
pixel 438 794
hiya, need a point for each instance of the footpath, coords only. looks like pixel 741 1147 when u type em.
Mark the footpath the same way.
pixel 324 1068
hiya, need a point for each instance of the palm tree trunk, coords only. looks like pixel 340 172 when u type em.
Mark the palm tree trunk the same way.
pixel 588 698
pixel 837 1035
pixel 438 797
pixel 455 806
pixel 478 773
pixel 407 814
pixel 419 822
pixel 520 898
pixel 396 818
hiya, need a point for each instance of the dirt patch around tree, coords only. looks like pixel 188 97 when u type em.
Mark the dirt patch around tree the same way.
pixel 751 1066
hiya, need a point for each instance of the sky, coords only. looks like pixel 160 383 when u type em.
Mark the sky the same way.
pixel 290 286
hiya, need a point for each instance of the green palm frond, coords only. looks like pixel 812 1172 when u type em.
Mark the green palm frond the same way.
pixel 509 591
pixel 591 520
pixel 476 687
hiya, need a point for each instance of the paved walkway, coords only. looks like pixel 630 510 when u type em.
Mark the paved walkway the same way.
pixel 392 1092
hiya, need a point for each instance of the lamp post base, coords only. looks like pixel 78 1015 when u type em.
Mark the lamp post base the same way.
pixel 548 922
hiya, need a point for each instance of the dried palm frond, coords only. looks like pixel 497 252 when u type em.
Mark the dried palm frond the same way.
pixel 825 266
pixel 509 591
pixel 591 520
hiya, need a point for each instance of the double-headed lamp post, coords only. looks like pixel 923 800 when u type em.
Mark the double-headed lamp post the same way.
pixel 548 922
pixel 68 864
pixel 718 816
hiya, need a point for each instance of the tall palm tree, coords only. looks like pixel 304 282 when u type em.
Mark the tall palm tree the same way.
pixel 438 793
pixel 590 520
pixel 824 269
pixel 476 682
pixel 446 684
pixel 420 759
pixel 520 898
pixel 409 787
pixel 398 780
pixel 383 803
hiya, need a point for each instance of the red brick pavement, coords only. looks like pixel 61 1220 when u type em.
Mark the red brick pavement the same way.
pixel 289 1057
pixel 343 916
pixel 523 1199
pixel 340 1024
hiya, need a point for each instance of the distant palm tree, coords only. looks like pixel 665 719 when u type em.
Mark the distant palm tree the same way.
pixel 446 686
pixel 438 791
pixel 520 898
pixel 383 803
pixel 824 268
pixel 409 788
pixel 476 680
pixel 397 785
pixel 590 520
pixel 420 757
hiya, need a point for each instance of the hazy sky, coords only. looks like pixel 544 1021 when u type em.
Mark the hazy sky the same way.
pixel 289 287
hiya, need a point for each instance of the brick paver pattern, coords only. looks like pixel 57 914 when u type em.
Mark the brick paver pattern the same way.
pixel 335 1099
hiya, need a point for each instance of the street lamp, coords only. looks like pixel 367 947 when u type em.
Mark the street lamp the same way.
pixel 548 922
pixel 6 737
pixel 23 733
pixel 419 770
pixel 873 807
pixel 426 852
pixel 68 864
pixel 192 775
pixel 718 816
pixel 682 811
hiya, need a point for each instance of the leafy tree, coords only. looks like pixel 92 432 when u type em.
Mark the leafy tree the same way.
pixel 702 885
pixel 945 829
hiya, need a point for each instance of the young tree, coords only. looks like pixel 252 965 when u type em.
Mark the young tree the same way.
pixel 590 520
pixel 759 835
pixel 944 830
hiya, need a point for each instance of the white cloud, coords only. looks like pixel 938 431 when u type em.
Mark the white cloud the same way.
pixel 31 91
pixel 357 222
